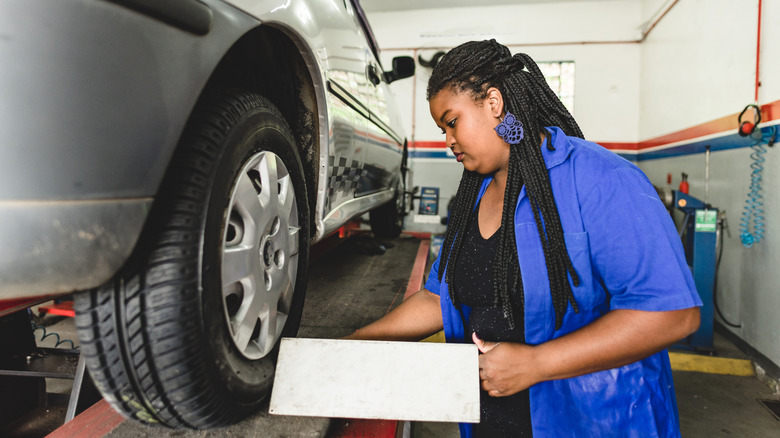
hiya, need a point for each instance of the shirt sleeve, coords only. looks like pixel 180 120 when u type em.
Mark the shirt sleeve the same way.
pixel 636 252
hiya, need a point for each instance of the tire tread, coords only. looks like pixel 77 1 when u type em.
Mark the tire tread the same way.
pixel 136 331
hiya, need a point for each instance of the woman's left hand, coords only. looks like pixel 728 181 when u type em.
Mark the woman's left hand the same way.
pixel 505 367
pixel 620 337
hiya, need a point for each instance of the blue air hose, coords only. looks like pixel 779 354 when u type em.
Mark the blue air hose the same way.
pixel 45 335
pixel 754 203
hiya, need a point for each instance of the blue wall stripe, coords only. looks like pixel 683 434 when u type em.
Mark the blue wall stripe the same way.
pixel 725 142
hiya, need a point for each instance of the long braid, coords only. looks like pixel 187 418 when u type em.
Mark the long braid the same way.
pixel 474 67
pixel 507 250
pixel 466 196
pixel 556 257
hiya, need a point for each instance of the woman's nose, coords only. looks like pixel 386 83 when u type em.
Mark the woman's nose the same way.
pixel 450 140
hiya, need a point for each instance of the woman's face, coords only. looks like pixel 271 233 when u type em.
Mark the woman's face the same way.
pixel 468 126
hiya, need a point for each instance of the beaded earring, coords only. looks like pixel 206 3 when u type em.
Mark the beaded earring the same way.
pixel 510 129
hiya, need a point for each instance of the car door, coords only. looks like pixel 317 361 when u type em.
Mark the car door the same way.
pixel 349 116
pixel 382 144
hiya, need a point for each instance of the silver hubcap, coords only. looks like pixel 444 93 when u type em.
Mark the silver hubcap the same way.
pixel 260 254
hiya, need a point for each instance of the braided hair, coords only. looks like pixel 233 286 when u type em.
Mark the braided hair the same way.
pixel 474 67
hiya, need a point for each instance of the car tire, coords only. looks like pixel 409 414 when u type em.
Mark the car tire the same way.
pixel 387 220
pixel 187 334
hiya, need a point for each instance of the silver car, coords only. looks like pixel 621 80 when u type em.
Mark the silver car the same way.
pixel 170 162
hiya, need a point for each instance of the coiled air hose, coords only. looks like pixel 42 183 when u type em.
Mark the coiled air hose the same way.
pixel 46 334
pixel 753 213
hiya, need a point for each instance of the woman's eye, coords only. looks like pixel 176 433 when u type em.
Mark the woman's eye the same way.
pixel 451 123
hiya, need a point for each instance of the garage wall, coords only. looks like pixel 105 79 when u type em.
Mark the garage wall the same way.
pixel 658 103
pixel 698 72
pixel 602 39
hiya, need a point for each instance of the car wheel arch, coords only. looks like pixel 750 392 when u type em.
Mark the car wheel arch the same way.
pixel 270 61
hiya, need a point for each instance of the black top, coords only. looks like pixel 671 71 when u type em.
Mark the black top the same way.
pixel 500 416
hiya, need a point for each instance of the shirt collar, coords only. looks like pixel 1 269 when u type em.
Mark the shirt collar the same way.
pixel 562 145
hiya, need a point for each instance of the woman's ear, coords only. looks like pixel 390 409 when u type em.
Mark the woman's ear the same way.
pixel 496 102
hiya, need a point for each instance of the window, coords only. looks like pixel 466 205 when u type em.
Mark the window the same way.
pixel 560 77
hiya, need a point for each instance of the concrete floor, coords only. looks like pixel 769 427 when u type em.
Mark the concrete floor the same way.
pixel 712 405
pixel 349 288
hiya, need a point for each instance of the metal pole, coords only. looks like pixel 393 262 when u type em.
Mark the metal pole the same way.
pixel 76 391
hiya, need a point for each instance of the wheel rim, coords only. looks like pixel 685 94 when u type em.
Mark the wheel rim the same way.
pixel 260 254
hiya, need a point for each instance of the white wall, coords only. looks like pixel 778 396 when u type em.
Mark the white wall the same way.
pixel 604 49
pixel 770 64
pixel 607 65
pixel 698 65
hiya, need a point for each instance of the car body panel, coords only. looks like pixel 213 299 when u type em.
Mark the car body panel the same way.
pixel 364 141
pixel 66 246
pixel 83 150
pixel 106 130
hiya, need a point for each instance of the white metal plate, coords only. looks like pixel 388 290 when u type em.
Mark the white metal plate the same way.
pixel 416 381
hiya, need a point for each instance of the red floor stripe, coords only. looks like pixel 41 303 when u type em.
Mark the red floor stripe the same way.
pixel 358 428
pixel 419 234
pixel 418 271
pixel 95 422
pixel 101 418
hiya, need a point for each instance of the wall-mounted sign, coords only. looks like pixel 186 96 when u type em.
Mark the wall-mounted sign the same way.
pixel 429 201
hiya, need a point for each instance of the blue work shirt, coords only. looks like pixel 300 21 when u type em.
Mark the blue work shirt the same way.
pixel 628 255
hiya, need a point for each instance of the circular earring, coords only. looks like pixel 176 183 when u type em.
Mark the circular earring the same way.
pixel 510 129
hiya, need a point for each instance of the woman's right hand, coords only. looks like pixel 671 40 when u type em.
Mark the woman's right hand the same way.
pixel 505 368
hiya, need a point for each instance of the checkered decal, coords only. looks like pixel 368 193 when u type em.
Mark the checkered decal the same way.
pixel 343 179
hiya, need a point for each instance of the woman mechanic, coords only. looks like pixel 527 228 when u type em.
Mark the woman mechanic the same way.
pixel 560 262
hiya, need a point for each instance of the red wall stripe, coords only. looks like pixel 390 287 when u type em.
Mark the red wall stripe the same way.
pixel 441 145
pixel 722 124
pixel 769 112
pixel 354 428
pixel 620 146
pixel 427 144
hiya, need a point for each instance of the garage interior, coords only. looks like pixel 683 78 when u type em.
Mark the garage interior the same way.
pixel 671 85
pixel 717 395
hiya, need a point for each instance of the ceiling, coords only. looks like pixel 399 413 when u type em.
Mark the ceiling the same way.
pixel 401 5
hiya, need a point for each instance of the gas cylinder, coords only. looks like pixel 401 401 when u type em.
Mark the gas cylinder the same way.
pixel 684 183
